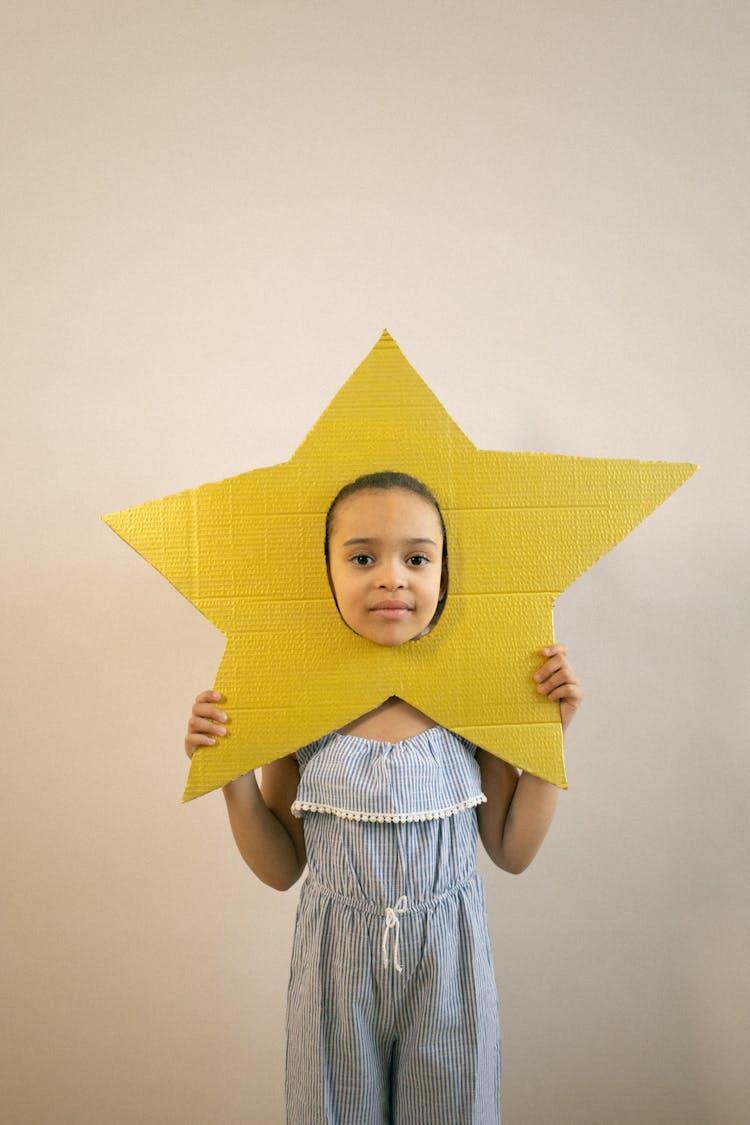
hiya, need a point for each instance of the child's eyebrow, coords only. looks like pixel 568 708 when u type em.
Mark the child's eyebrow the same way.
pixel 363 539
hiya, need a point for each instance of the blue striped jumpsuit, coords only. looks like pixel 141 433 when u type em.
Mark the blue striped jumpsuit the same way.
pixel 392 1009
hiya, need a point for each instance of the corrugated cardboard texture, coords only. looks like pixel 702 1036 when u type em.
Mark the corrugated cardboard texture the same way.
pixel 248 553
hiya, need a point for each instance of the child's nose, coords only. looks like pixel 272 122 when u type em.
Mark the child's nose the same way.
pixel 391 576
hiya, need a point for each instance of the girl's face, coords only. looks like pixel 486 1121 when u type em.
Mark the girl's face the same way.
pixel 386 563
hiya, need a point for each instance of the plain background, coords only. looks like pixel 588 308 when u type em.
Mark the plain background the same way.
pixel 209 213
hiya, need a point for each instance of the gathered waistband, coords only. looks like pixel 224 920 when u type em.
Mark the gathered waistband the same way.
pixel 391 914
pixel 366 906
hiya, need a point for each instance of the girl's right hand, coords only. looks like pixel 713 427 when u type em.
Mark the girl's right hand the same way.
pixel 206 722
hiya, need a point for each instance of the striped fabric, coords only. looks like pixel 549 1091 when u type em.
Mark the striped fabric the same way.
pixel 428 777
pixel 392 1013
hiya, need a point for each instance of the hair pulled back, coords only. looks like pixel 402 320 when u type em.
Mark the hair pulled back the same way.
pixel 386 480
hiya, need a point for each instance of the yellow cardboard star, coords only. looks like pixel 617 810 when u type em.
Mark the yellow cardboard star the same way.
pixel 248 553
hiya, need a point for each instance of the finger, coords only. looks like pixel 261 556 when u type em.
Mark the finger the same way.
pixel 556 666
pixel 199 725
pixel 569 693
pixel 209 697
pixel 546 671
pixel 196 738
pixel 194 742
pixel 556 679
pixel 554 650
pixel 208 711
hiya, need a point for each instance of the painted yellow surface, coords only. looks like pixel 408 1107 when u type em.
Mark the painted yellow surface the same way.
pixel 248 553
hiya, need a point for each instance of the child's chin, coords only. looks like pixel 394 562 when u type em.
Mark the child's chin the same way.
pixel 391 642
pixel 386 638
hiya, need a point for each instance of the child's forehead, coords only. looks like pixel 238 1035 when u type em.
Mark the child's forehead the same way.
pixel 380 505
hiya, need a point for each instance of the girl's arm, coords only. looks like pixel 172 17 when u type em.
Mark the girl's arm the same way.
pixel 268 837
pixel 520 807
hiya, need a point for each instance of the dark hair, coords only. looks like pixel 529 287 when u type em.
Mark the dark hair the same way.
pixel 388 480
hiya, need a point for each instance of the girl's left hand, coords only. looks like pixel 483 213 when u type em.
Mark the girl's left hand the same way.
pixel 557 680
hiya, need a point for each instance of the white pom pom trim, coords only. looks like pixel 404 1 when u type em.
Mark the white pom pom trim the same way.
pixel 299 808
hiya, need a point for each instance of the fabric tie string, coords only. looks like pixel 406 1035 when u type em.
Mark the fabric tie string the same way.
pixel 392 923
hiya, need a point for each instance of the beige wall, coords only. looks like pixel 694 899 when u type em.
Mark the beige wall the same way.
pixel 210 211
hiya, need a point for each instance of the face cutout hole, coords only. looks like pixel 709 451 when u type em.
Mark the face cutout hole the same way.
pixel 387 558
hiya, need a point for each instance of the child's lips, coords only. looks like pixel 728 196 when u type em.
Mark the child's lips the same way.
pixel 391 609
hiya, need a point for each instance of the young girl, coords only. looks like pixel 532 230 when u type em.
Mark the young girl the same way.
pixel 392 1009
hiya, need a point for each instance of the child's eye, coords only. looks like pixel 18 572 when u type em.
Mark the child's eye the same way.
pixel 418 560
pixel 361 560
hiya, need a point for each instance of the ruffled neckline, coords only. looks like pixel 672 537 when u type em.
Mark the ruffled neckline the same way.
pixel 431 775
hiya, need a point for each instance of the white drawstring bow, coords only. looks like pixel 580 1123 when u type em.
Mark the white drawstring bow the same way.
pixel 392 923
